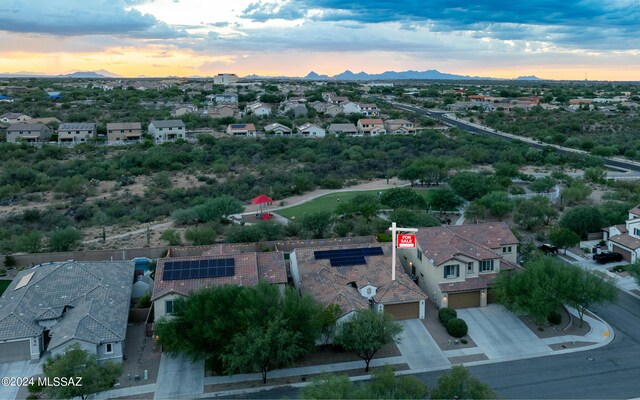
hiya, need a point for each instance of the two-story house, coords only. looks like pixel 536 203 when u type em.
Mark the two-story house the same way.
pixel 76 132
pixel 369 110
pixel 167 130
pixel 349 107
pixel 29 133
pixel 399 126
pixel 370 126
pixel 124 132
pixel 455 265
pixel 625 238
pixel 242 130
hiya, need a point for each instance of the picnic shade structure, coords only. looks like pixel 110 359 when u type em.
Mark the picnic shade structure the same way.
pixel 261 201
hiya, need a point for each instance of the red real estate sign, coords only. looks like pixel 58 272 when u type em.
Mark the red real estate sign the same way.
pixel 406 241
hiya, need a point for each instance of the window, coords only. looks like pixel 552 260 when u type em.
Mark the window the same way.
pixel 636 232
pixel 451 271
pixel 419 254
pixel 108 348
pixel 168 306
pixel 486 265
pixel 506 249
pixel 470 266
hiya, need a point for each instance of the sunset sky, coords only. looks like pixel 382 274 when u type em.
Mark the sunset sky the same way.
pixel 593 39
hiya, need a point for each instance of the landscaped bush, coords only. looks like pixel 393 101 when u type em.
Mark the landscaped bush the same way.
pixel 456 327
pixel 445 314
pixel 554 318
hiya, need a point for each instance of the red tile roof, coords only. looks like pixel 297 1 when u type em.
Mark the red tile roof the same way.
pixel 370 121
pixel 249 269
pixel 334 285
pixel 626 240
pixel 635 210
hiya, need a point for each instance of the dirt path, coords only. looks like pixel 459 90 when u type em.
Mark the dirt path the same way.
pixel 379 184
pixel 163 225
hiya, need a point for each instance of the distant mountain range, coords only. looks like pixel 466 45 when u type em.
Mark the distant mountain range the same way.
pixel 312 76
pixel 391 75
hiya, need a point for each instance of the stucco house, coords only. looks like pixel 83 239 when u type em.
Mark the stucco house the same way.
pixel 455 265
pixel 277 129
pixel 370 126
pixel 226 98
pixel 258 109
pixel 399 126
pixel 167 130
pixel 356 277
pixel 179 277
pixel 242 130
pixel 14 118
pixel 76 132
pixel 51 307
pixel 222 110
pixel 369 109
pixel 349 107
pixel 311 130
pixel 29 133
pixel 124 131
pixel 348 129
pixel 625 238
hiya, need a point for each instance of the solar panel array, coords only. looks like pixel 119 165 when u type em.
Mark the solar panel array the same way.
pixel 238 126
pixel 197 269
pixel 348 257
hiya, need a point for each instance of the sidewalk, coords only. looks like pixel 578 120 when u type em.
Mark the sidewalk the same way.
pixel 625 283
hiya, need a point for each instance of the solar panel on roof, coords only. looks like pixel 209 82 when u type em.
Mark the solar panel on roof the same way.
pixel 198 269
pixel 238 126
pixel 348 257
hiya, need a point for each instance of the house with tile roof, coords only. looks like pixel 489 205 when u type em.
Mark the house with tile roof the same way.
pixel 311 130
pixel 76 132
pixel 624 239
pixel 370 126
pixel 277 129
pixel 200 272
pixel 51 307
pixel 455 265
pixel 399 126
pixel 14 118
pixel 349 129
pixel 29 133
pixel 122 132
pixel 356 279
pixel 167 130
pixel 242 130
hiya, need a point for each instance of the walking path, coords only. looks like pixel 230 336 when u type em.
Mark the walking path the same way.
pixel 418 347
pixel 292 201
pixel 136 232
pixel 302 371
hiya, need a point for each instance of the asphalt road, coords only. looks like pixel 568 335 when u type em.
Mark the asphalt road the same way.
pixel 440 116
pixel 611 374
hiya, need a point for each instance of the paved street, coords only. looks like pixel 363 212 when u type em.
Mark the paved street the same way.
pixel 611 374
pixel 418 347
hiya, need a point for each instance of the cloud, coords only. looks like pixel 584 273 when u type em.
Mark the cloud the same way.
pixel 81 17
pixel 568 22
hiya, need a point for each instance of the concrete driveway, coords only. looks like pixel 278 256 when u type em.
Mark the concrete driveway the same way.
pixel 18 369
pixel 179 378
pixel 500 334
pixel 418 348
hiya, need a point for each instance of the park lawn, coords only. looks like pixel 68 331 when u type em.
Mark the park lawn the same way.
pixel 4 284
pixel 329 202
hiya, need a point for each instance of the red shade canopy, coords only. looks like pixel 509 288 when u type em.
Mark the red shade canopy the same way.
pixel 261 199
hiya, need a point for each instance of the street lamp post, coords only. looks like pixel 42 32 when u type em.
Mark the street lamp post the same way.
pixel 394 238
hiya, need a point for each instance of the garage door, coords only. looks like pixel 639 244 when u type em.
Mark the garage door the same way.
pixel 464 300
pixel 626 255
pixel 15 351
pixel 403 311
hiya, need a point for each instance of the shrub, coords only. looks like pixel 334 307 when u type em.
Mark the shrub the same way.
pixel 456 327
pixel 445 314
pixel 9 261
pixel 145 300
pixel 383 237
pixel 3 272
pixel 554 318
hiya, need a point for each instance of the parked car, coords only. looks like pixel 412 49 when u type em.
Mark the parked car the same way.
pixel 548 249
pixel 607 257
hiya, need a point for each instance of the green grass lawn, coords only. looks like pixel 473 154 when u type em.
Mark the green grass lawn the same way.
pixel 4 284
pixel 330 202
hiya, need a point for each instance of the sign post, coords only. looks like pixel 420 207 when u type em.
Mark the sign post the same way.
pixel 402 241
